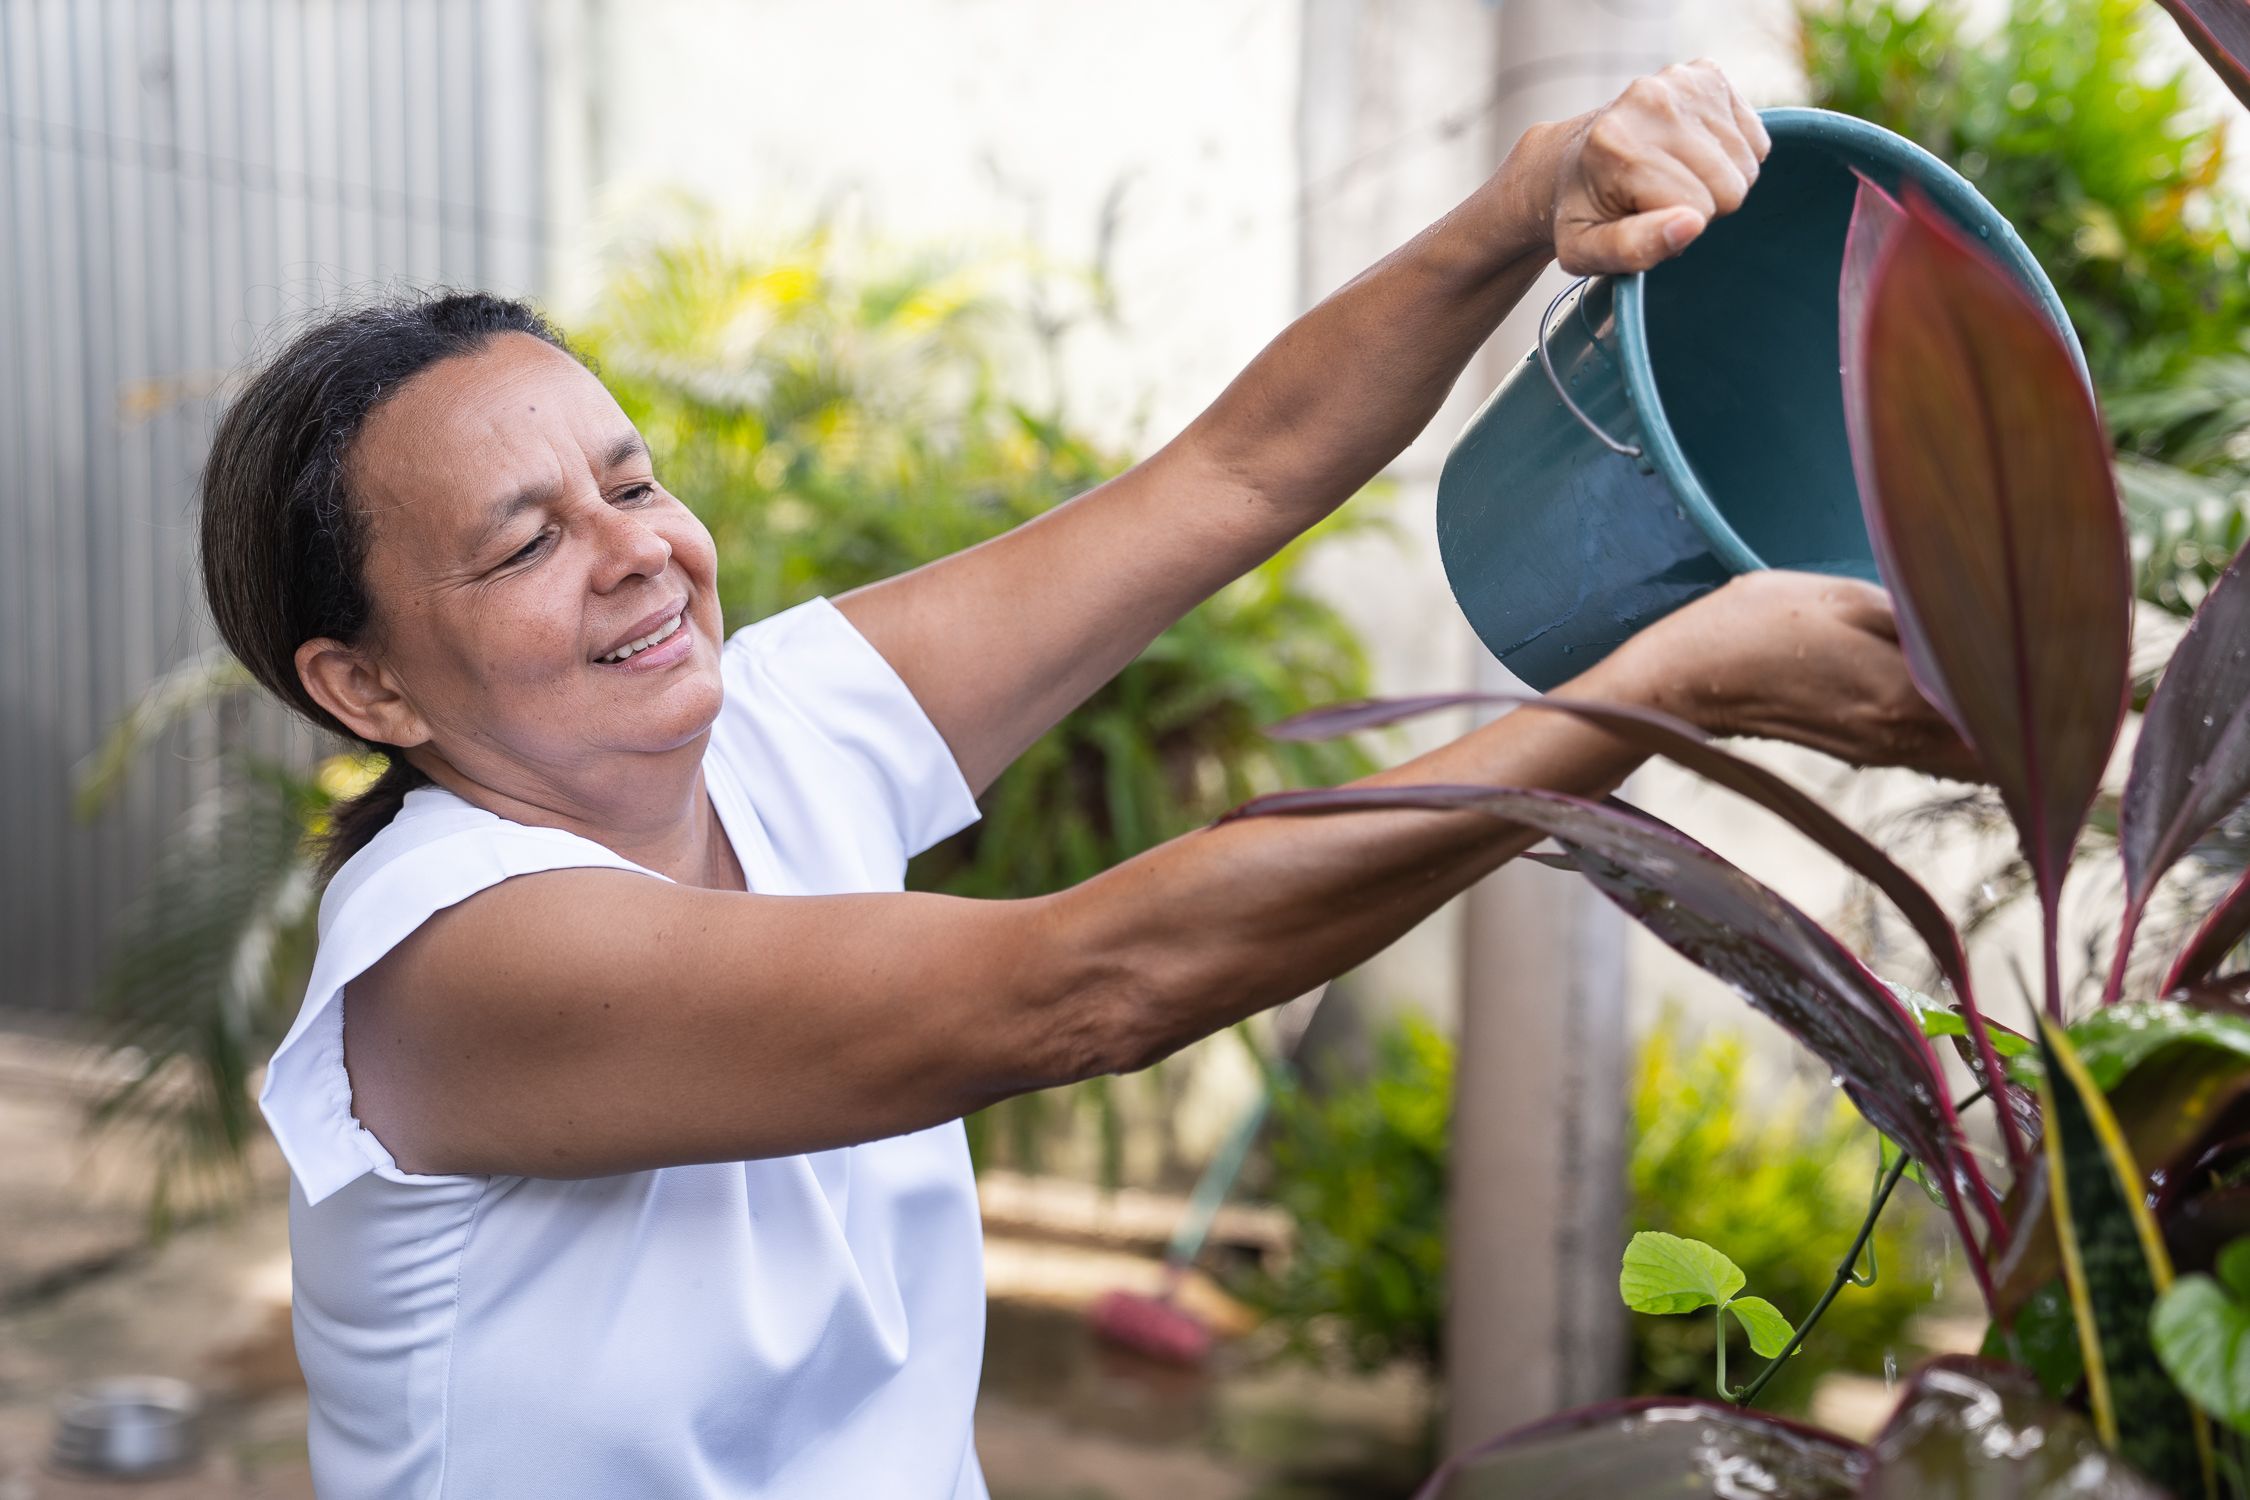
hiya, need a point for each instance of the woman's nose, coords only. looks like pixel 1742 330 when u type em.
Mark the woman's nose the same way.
pixel 630 548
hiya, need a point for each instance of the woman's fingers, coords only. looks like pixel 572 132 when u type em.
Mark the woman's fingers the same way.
pixel 1677 143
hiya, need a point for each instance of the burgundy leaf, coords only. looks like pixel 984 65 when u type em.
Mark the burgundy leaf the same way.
pixel 2192 765
pixel 1985 475
pixel 1974 1428
pixel 2223 929
pixel 1777 958
pixel 2220 30
pixel 1688 746
pixel 1655 1448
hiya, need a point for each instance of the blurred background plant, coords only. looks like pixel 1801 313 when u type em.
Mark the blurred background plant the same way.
pixel 1780 1177
pixel 836 413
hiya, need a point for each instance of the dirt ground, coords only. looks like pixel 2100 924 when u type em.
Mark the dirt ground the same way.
pixel 84 1294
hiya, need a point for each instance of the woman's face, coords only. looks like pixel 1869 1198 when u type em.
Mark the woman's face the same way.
pixel 544 611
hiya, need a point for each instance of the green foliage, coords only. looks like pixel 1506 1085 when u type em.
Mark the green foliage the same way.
pixel 1782 1182
pixel 1361 1169
pixel 210 958
pixel 2202 1333
pixel 2115 177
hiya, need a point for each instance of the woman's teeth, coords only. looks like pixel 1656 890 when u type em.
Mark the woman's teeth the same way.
pixel 656 637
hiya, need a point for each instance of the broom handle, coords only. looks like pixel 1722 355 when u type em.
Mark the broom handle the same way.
pixel 1216 1182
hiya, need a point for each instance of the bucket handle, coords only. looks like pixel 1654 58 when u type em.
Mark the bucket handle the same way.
pixel 1547 363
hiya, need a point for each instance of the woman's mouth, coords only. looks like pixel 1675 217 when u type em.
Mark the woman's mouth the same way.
pixel 660 646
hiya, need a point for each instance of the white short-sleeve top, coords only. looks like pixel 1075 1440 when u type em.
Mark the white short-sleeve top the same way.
pixel 808 1327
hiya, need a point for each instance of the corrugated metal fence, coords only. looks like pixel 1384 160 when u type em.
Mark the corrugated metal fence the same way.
pixel 177 178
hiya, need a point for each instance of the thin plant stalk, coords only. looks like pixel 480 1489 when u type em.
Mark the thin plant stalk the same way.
pixel 1846 1275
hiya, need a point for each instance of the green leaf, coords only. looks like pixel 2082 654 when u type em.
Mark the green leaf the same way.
pixel 2046 1341
pixel 1664 1273
pixel 1939 1019
pixel 2116 1039
pixel 2234 1268
pixel 2115 1266
pixel 2202 1333
pixel 1769 1331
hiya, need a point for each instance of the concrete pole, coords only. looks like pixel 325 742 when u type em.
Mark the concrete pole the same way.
pixel 1538 1195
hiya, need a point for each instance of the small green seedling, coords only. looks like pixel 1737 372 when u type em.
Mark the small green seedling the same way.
pixel 1664 1273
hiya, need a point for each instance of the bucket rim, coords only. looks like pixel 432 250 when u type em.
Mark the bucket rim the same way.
pixel 1948 188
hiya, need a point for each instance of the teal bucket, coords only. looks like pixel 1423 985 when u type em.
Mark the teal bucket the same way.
pixel 1676 427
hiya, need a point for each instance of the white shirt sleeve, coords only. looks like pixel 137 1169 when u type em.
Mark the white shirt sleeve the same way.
pixel 829 740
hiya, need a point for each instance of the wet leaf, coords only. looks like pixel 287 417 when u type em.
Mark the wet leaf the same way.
pixel 1772 954
pixel 1659 1448
pixel 1984 471
pixel 2202 1333
pixel 2191 766
pixel 2115 1267
pixel 1969 1430
pixel 1689 747
pixel 2224 927
pixel 2220 30
pixel 2114 1041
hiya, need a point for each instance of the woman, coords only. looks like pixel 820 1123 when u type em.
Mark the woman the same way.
pixel 637 1170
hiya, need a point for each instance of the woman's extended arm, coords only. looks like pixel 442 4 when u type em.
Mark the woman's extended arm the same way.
pixel 582 1022
pixel 999 642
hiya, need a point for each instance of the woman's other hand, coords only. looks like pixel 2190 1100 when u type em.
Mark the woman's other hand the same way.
pixel 1801 657
pixel 1634 182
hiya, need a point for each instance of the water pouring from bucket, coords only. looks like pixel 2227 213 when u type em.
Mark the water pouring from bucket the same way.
pixel 1678 426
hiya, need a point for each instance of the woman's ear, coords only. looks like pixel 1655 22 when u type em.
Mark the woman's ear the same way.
pixel 359 693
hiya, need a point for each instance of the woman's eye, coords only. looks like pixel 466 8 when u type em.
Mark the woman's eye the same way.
pixel 636 493
pixel 527 551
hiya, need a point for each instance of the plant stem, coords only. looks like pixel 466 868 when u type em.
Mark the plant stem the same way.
pixel 1842 1278
pixel 1719 1317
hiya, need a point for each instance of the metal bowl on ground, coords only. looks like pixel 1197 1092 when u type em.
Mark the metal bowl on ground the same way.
pixel 129 1427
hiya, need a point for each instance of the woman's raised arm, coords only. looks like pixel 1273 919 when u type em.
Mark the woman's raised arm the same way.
pixel 583 1022
pixel 999 642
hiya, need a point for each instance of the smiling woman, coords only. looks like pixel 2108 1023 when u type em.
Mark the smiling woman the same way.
pixel 638 1169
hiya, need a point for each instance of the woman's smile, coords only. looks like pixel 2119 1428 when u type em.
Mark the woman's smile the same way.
pixel 662 640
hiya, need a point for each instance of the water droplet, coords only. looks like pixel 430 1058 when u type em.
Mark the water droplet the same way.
pixel 1890 1370
pixel 2208 721
pixel 1835 1080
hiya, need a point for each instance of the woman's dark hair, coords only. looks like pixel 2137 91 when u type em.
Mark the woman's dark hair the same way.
pixel 284 540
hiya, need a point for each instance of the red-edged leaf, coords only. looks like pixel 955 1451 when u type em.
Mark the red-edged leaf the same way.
pixel 2224 927
pixel 2220 30
pixel 1984 1431
pixel 2192 765
pixel 1688 746
pixel 1655 1448
pixel 1775 956
pixel 1985 475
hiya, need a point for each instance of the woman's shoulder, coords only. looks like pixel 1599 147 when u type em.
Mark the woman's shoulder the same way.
pixel 440 839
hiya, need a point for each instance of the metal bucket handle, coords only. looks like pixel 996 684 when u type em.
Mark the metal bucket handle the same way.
pixel 1547 363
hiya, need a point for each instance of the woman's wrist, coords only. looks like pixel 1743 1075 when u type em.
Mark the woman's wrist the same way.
pixel 1515 208
pixel 1672 668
